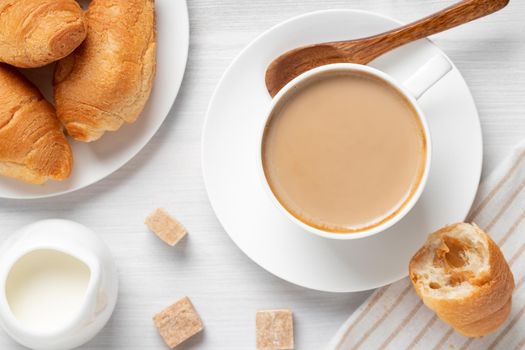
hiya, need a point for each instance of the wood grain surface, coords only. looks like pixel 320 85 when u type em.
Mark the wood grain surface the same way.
pixel 225 286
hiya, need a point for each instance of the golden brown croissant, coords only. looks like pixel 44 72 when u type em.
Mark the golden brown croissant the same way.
pixel 461 274
pixel 108 79
pixel 34 33
pixel 33 147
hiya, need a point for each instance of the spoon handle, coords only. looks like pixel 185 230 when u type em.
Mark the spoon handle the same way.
pixel 453 16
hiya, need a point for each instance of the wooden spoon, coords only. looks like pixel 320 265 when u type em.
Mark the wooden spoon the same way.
pixel 292 63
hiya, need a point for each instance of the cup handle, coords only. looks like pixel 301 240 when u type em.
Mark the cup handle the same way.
pixel 427 76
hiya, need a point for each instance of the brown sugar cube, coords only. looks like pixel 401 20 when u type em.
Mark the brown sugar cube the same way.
pixel 165 227
pixel 178 322
pixel 274 329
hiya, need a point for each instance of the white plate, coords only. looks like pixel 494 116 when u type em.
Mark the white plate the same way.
pixel 95 161
pixel 269 238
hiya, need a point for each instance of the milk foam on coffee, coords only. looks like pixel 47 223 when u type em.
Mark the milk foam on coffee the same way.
pixel 46 288
pixel 344 152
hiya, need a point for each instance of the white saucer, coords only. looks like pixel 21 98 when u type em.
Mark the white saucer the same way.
pixel 95 161
pixel 269 238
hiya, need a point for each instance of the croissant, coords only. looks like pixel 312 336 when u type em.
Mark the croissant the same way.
pixel 34 33
pixel 108 79
pixel 461 274
pixel 33 147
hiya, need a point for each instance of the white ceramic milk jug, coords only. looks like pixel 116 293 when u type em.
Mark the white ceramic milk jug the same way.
pixel 58 285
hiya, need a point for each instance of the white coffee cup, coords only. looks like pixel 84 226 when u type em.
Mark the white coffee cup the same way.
pixel 413 88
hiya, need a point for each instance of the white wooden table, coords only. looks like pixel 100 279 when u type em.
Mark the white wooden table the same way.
pixel 224 284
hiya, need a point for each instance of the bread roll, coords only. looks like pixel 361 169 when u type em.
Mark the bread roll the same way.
pixel 461 274
pixel 33 147
pixel 34 33
pixel 108 79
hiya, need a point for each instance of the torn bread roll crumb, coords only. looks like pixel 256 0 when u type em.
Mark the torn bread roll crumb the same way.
pixel 178 322
pixel 274 329
pixel 165 227
pixel 461 274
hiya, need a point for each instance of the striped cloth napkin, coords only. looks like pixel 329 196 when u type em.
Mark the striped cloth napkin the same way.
pixel 395 318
